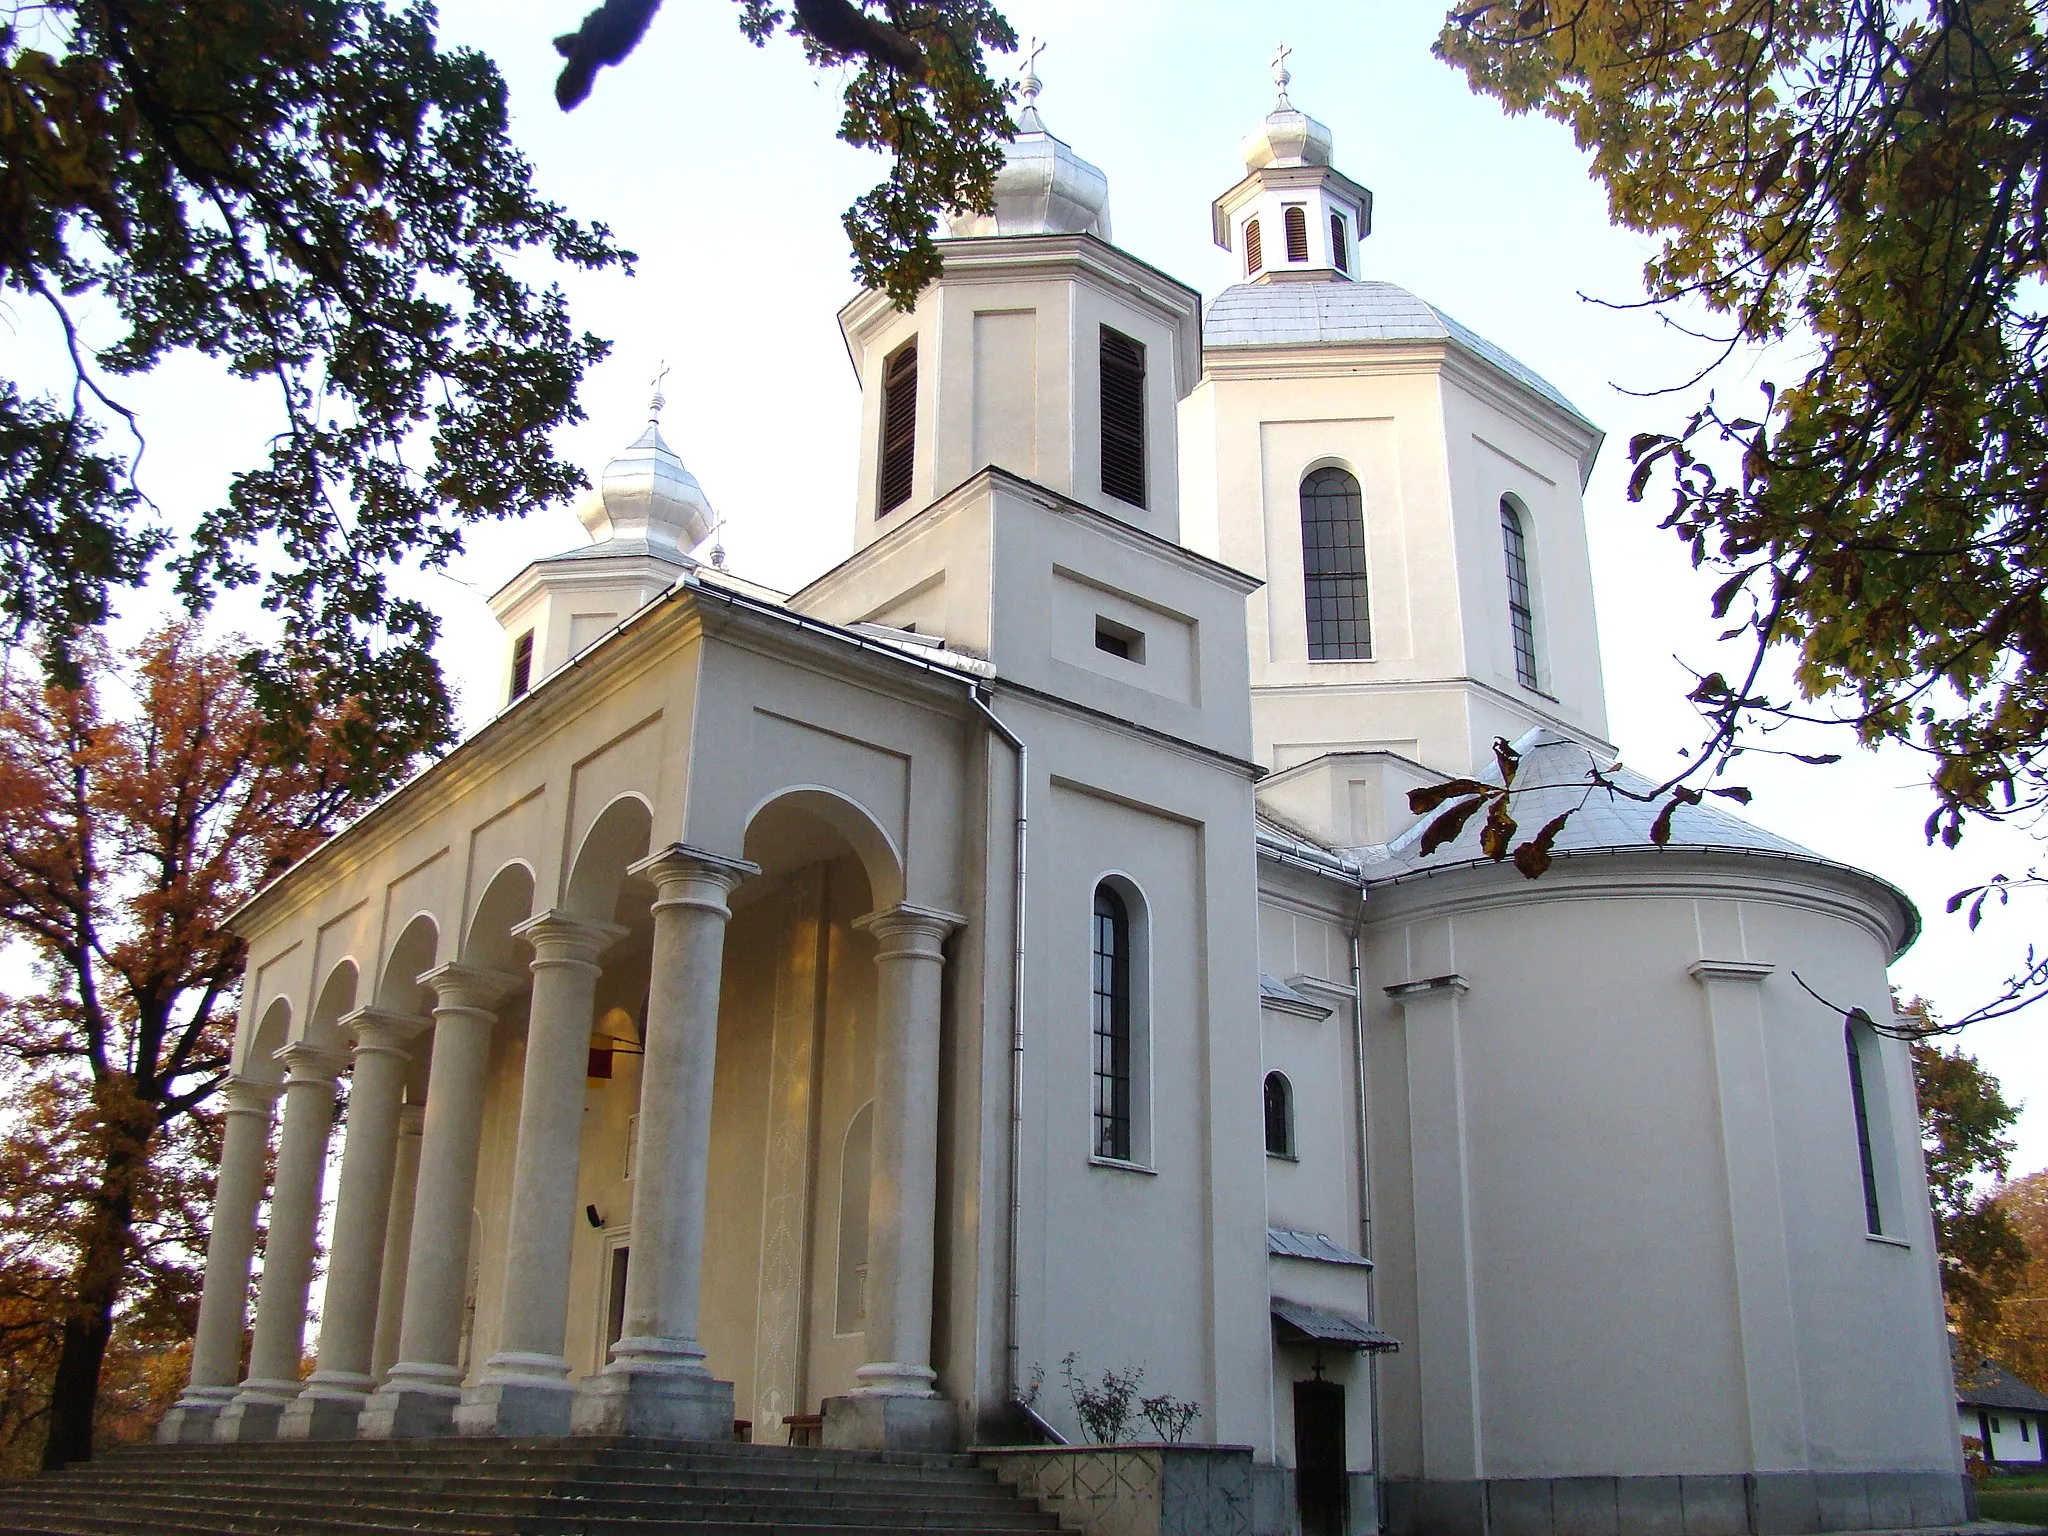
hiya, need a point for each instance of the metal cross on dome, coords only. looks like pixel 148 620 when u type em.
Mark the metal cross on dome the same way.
pixel 1280 74
pixel 654 405
pixel 1027 84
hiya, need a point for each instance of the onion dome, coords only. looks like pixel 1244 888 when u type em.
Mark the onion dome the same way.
pixel 646 496
pixel 1288 136
pixel 1044 188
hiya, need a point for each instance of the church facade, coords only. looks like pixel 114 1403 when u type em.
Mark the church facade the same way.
pixel 1016 948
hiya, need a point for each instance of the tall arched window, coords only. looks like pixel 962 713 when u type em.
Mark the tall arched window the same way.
pixel 1521 608
pixel 1872 1215
pixel 1295 217
pixel 1112 977
pixel 1254 249
pixel 1279 1115
pixel 1333 567
pixel 899 427
pixel 1340 244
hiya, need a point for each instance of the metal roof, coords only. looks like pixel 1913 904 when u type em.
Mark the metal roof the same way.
pixel 1317 1247
pixel 1275 993
pixel 1326 1325
pixel 1990 1385
pixel 1340 311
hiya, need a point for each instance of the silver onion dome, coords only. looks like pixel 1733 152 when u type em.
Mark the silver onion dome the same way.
pixel 1044 188
pixel 645 495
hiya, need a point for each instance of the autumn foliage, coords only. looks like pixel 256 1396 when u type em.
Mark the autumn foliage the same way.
pixel 137 810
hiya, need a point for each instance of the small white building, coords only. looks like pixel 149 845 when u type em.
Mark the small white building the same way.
pixel 2002 1414
pixel 1017 943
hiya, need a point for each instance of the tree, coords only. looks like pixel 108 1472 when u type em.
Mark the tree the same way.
pixel 1854 190
pixel 1964 1121
pixel 2021 1342
pixel 129 830
pixel 922 94
pixel 321 199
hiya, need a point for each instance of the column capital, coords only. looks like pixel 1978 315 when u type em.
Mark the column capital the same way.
pixel 558 936
pixel 383 1029
pixel 251 1096
pixel 305 1062
pixel 1729 970
pixel 693 877
pixel 909 929
pixel 470 987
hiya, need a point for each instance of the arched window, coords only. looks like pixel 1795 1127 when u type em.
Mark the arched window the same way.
pixel 899 427
pixel 1340 243
pixel 1521 609
pixel 1333 567
pixel 1279 1115
pixel 522 665
pixel 1296 219
pixel 1112 977
pixel 1873 1217
pixel 1254 249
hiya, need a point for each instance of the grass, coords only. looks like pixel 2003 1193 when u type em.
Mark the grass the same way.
pixel 2024 1505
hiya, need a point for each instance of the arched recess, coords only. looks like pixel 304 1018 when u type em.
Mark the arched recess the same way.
pixel 418 946
pixel 337 998
pixel 507 901
pixel 259 1060
pixel 856 1160
pixel 806 822
pixel 617 839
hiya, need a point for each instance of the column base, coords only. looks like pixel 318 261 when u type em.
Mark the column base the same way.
pixel 418 1402
pixel 192 1417
pixel 326 1410
pixel 891 1423
pixel 665 1405
pixel 516 1405
pixel 255 1412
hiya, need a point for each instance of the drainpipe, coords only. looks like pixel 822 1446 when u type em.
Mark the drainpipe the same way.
pixel 1013 1376
pixel 1372 1309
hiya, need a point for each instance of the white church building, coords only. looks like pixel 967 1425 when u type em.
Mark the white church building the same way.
pixel 1016 944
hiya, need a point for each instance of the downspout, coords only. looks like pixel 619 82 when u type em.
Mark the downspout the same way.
pixel 1372 1309
pixel 1012 1348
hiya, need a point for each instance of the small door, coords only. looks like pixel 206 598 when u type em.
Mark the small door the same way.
pixel 1319 1484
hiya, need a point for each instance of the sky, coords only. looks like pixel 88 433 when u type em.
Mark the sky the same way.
pixel 717 164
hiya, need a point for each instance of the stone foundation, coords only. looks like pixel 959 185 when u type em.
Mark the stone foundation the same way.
pixel 1135 1490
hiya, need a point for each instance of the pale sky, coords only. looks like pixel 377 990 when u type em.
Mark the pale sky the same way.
pixel 716 162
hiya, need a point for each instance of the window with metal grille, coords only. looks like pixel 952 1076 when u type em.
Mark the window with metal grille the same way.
pixel 899 428
pixel 1112 977
pixel 1123 417
pixel 1872 1216
pixel 1333 567
pixel 1340 243
pixel 522 665
pixel 1279 1115
pixel 1521 610
pixel 1254 249
pixel 1296 218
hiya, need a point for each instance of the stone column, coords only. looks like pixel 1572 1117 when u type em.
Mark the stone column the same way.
pixel 230 1247
pixel 895 1405
pixel 405 1178
pixel 656 1383
pixel 525 1388
pixel 419 1396
pixel 273 1379
pixel 335 1392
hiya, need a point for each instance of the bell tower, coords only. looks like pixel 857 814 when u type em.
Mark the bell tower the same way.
pixel 1040 349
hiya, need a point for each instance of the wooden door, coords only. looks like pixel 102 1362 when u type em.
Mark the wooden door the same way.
pixel 1319 1482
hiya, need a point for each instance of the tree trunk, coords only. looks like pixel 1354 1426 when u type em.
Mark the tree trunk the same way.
pixel 100 1275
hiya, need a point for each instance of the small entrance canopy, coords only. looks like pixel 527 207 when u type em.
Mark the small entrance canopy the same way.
pixel 1301 1323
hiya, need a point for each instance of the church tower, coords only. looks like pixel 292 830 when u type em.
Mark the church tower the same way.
pixel 1041 349
pixel 1409 494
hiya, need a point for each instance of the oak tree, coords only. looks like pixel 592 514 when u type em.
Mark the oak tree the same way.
pixel 138 807
pixel 2020 1343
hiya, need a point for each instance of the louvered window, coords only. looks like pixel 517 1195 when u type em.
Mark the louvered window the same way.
pixel 1340 244
pixel 1297 232
pixel 1254 249
pixel 522 664
pixel 899 428
pixel 1872 1216
pixel 1521 610
pixel 1123 417
pixel 1112 1025
pixel 1333 567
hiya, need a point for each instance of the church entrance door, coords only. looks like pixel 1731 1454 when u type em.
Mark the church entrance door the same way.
pixel 1319 1481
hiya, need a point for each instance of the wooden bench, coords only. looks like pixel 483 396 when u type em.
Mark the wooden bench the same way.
pixel 805 1428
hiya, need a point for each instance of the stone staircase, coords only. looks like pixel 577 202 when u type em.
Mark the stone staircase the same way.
pixel 518 1488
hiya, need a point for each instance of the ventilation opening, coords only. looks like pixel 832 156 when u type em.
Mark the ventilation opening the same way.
pixel 1119 640
pixel 1297 232
pixel 1254 249
pixel 1340 245
pixel 899 428
pixel 1123 417
pixel 522 665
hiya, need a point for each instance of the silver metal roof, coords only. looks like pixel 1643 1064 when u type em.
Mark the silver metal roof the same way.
pixel 1340 311
pixel 1288 1243
pixel 1327 1325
